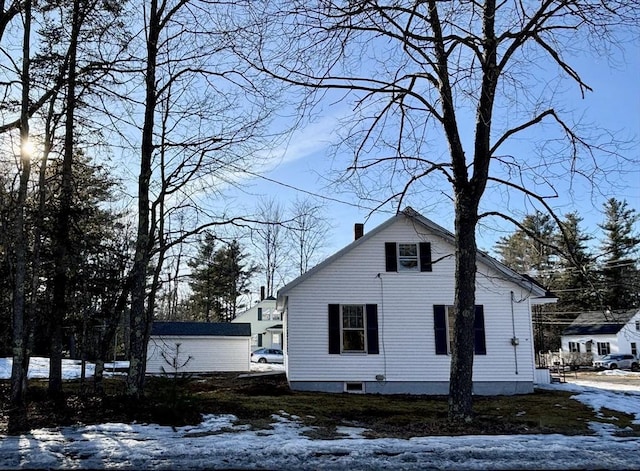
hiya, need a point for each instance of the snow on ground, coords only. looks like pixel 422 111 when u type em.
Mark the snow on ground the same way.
pixel 217 443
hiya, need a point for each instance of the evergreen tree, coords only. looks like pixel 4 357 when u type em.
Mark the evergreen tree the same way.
pixel 97 256
pixel 619 270
pixel 575 283
pixel 202 282
pixel 233 278
pixel 218 278
pixel 529 249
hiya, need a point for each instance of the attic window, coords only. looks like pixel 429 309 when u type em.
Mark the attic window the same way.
pixel 407 256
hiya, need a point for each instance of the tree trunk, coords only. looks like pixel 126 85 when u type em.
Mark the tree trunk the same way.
pixel 461 376
pixel 19 352
pixel 141 314
pixel 62 242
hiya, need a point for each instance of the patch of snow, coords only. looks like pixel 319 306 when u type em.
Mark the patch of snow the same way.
pixel 266 367
pixel 218 442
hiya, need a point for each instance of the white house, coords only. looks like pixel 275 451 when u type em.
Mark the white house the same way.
pixel 266 324
pixel 198 347
pixel 603 332
pixel 376 317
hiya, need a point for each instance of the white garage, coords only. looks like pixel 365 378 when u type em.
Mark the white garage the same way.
pixel 198 347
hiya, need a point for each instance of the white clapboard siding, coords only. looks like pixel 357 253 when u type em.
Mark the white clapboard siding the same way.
pixel 405 316
pixel 201 354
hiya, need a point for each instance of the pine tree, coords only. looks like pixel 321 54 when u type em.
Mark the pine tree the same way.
pixel 575 284
pixel 233 278
pixel 529 249
pixel 202 282
pixel 619 270
pixel 218 278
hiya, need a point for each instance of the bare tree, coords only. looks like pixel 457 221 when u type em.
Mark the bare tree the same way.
pixel 268 239
pixel 307 233
pixel 19 350
pixel 201 112
pixel 432 75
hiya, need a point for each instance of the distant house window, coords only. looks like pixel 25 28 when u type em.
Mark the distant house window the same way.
pixel 638 325
pixel 276 316
pixel 353 328
pixel 574 347
pixel 588 346
pixel 259 313
pixel 259 340
pixel 407 256
pixel 443 330
pixel 634 349
pixel 275 339
pixel 604 348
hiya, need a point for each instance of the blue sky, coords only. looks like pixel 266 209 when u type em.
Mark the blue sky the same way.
pixel 305 163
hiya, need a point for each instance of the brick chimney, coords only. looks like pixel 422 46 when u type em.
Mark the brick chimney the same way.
pixel 358 230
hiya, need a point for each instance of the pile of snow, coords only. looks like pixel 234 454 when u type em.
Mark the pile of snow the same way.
pixel 219 443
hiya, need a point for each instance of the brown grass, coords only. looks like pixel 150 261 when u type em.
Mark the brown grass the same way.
pixel 254 400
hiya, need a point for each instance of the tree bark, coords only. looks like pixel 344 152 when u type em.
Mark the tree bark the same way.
pixel 62 239
pixel 141 315
pixel 461 376
pixel 20 355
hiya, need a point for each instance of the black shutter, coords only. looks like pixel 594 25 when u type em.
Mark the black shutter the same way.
pixel 259 313
pixel 372 329
pixel 390 255
pixel 259 340
pixel 334 329
pixel 425 256
pixel 479 343
pixel 440 328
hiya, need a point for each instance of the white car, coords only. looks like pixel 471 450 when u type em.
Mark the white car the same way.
pixel 267 355
pixel 614 361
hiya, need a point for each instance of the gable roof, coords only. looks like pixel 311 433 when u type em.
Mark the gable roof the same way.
pixel 599 322
pixel 201 329
pixel 524 281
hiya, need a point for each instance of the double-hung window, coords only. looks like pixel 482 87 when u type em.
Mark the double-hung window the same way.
pixel 443 321
pixel 353 328
pixel 574 347
pixel 353 338
pixel 604 348
pixel 407 256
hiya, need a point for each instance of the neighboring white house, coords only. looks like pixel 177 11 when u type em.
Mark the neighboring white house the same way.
pixel 266 324
pixel 376 317
pixel 602 332
pixel 198 347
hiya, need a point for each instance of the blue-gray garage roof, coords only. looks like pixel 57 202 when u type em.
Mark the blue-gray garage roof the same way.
pixel 200 329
